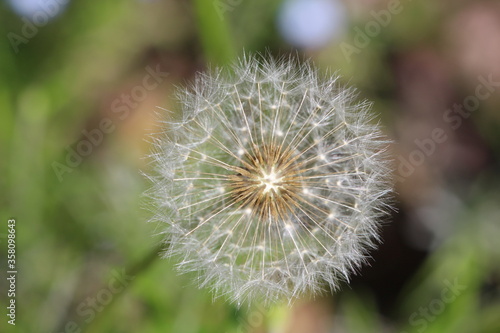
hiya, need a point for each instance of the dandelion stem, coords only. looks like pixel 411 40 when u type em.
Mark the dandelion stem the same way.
pixel 134 270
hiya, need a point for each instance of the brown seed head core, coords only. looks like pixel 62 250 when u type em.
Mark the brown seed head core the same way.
pixel 267 182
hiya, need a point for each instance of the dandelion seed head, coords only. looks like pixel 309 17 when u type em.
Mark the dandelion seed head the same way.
pixel 272 181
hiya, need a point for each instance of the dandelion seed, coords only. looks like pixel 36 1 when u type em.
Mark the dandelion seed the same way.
pixel 272 183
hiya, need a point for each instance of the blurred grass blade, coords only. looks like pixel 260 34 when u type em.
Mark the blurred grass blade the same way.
pixel 214 33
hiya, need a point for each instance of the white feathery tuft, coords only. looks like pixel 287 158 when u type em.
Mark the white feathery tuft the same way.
pixel 272 182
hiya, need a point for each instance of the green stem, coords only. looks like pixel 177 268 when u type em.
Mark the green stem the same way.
pixel 134 271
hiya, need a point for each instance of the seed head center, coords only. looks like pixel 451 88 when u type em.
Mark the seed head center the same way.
pixel 271 181
pixel 267 182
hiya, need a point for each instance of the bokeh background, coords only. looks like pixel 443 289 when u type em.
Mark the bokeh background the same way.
pixel 81 81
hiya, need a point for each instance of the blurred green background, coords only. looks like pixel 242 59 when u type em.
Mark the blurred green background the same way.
pixel 80 82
